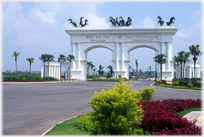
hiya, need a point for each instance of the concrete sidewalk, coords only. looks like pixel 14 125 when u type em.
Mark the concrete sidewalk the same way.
pixel 195 115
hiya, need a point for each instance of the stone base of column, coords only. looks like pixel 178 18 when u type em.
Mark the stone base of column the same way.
pixel 166 75
pixel 77 74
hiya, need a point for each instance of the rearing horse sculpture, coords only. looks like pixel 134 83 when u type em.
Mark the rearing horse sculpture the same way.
pixel 171 21
pixel 111 71
pixel 100 71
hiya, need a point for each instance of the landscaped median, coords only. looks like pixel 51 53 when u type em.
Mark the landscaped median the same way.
pixel 177 86
pixel 123 111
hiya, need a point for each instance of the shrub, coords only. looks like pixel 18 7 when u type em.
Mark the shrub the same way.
pixel 115 111
pixel 24 79
pixel 147 93
pixel 190 85
pixel 176 83
pixel 40 79
pixel 158 81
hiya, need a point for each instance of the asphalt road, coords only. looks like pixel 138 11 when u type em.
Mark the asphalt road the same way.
pixel 33 108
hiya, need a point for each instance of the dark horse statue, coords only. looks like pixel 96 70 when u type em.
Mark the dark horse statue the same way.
pixel 110 74
pixel 112 20
pixel 122 22
pixel 161 22
pixel 129 22
pixel 100 71
pixel 72 22
pixel 171 21
pixel 81 22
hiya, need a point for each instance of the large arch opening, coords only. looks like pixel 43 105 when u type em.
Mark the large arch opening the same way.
pixel 144 55
pixel 99 55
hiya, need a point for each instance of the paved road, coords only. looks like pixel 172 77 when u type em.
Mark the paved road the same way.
pixel 32 108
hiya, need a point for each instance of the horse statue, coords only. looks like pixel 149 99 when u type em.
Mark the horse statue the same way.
pixel 111 71
pixel 72 22
pixel 112 20
pixel 116 22
pixel 160 21
pixel 122 22
pixel 171 21
pixel 100 71
pixel 81 22
pixel 129 22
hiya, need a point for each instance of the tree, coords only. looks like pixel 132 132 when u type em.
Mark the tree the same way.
pixel 149 68
pixel 181 53
pixel 30 60
pixel 94 69
pixel 50 58
pixel 92 66
pixel 185 59
pixel 43 58
pixel 61 58
pixel 15 54
pixel 176 63
pixel 140 72
pixel 70 58
pixel 160 59
pixel 89 65
pixel 136 63
pixel 195 52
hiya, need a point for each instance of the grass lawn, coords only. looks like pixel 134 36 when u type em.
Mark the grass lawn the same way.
pixel 68 127
pixel 177 87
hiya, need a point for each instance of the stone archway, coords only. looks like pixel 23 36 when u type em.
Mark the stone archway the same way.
pixel 120 41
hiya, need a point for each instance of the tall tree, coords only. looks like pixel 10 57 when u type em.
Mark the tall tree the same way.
pixel 136 63
pixel 89 65
pixel 149 68
pixel 160 59
pixel 94 69
pixel 185 59
pixel 30 60
pixel 92 66
pixel 176 64
pixel 43 58
pixel 70 58
pixel 61 58
pixel 15 54
pixel 140 72
pixel 181 53
pixel 194 50
pixel 50 58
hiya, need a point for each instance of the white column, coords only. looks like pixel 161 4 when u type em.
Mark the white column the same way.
pixel 193 72
pixel 162 52
pixel 73 62
pixel 54 71
pixel 189 72
pixel 168 55
pixel 123 50
pixel 65 72
pixel 79 56
pixel 42 67
pixel 117 56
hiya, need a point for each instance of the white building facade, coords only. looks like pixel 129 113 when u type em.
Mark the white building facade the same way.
pixel 121 41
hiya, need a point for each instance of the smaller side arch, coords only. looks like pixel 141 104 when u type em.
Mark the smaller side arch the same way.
pixel 142 46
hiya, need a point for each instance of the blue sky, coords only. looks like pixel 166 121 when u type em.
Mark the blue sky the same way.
pixel 35 28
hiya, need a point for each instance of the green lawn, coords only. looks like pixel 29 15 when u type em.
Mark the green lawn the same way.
pixel 68 127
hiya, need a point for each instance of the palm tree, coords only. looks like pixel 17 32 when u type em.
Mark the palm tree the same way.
pixel 181 53
pixel 61 58
pixel 15 54
pixel 70 58
pixel 176 60
pixel 149 68
pixel 160 59
pixel 43 58
pixel 185 59
pixel 136 63
pixel 195 52
pixel 30 60
pixel 140 72
pixel 92 66
pixel 50 57
pixel 94 69
pixel 89 65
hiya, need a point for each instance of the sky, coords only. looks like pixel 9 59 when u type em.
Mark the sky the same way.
pixel 35 28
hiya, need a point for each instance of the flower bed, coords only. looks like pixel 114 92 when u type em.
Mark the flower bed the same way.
pixel 160 117
pixel 26 80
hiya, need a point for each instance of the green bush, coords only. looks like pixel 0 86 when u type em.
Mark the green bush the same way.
pixel 147 93
pixel 190 85
pixel 24 79
pixel 40 79
pixel 176 83
pixel 115 111
pixel 158 81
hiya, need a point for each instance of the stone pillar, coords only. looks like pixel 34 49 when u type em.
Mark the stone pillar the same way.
pixel 54 71
pixel 73 62
pixel 79 56
pixel 189 72
pixel 123 56
pixel 42 67
pixel 168 55
pixel 193 72
pixel 163 52
pixel 65 72
pixel 117 56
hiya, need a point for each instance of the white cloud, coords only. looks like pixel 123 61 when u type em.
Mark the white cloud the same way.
pixel 95 22
pixel 146 23
pixel 185 33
